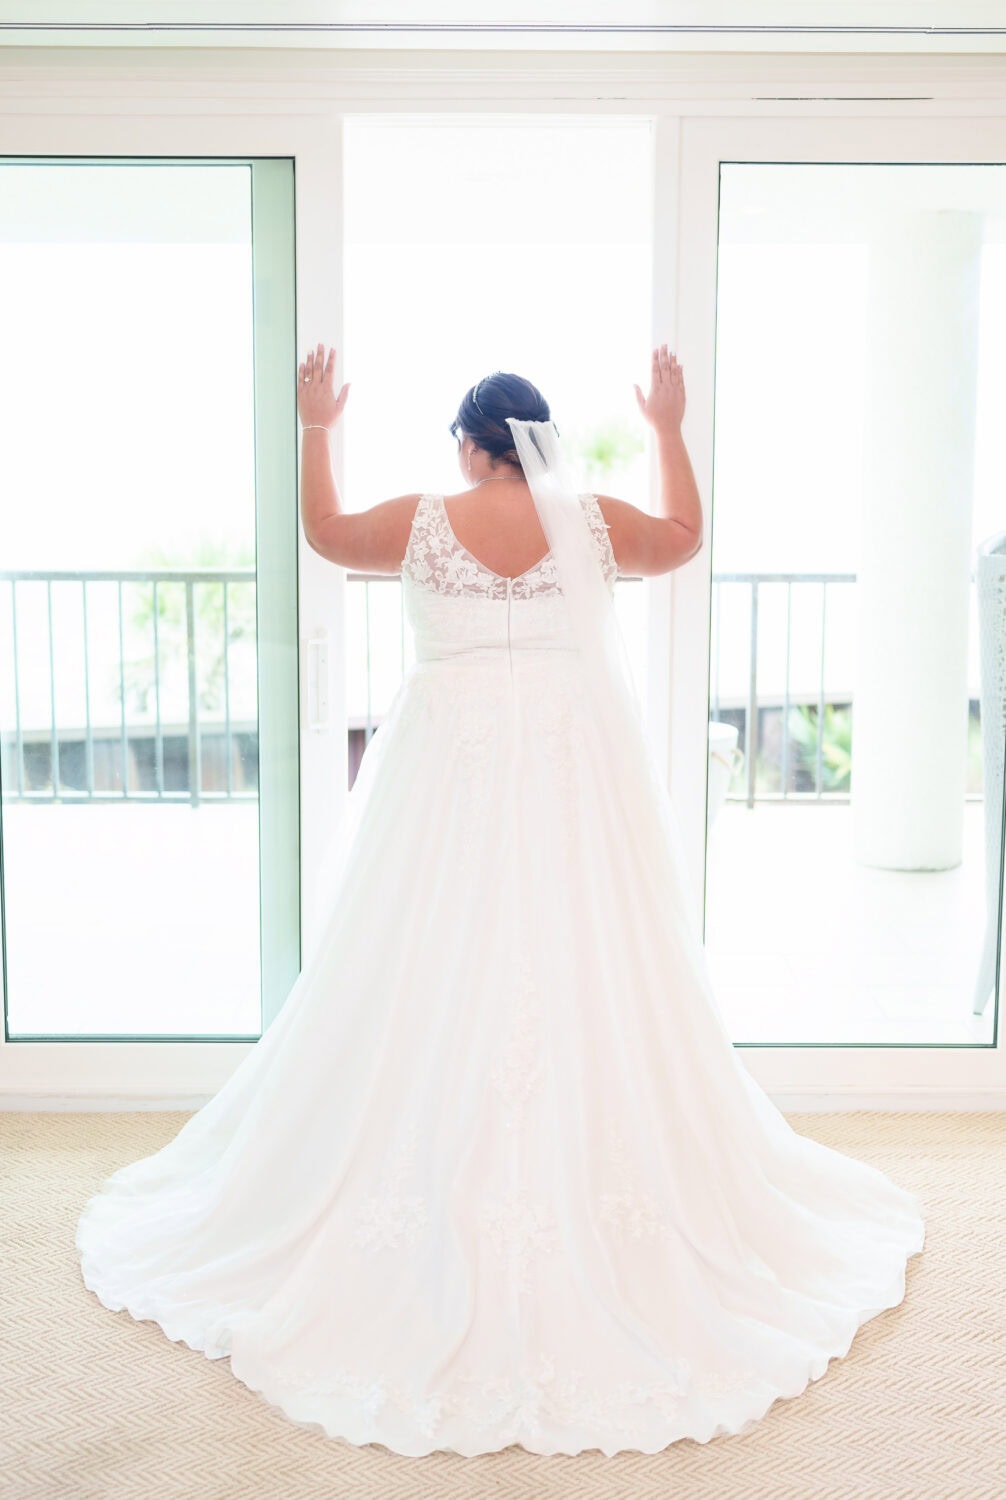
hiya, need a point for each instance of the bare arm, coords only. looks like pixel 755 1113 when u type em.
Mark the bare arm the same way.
pixel 679 494
pixel 371 540
pixel 647 544
pixel 319 494
pixel 320 409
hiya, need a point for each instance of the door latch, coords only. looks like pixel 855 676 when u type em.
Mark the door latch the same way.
pixel 318 710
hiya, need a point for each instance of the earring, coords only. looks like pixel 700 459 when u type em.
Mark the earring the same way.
pixel 469 463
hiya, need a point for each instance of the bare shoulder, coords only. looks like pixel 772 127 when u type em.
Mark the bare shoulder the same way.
pixel 645 545
pixel 369 541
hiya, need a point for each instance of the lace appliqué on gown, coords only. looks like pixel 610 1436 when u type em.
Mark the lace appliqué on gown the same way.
pixel 519 1230
pixel 392 1217
pixel 517 1227
pixel 558 726
pixel 631 1211
pixel 477 732
pixel 637 1215
pixel 519 1068
pixel 435 558
pixel 511 1408
pixel 519 1405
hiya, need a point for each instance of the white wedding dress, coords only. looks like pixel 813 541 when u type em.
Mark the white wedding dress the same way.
pixel 496 1174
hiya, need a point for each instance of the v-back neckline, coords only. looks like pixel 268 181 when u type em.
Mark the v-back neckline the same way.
pixel 503 577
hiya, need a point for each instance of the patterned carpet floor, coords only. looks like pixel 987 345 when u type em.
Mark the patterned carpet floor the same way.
pixel 96 1406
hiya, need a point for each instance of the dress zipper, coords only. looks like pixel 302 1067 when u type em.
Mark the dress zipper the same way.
pixel 509 585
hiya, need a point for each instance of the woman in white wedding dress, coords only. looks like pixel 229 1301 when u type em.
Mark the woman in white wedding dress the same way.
pixel 496 1174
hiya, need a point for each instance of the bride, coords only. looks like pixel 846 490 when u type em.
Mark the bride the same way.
pixel 496 1174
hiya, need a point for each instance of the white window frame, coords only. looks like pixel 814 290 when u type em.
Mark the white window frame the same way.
pixel 277 106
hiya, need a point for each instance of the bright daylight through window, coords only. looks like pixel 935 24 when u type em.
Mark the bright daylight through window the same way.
pixel 520 246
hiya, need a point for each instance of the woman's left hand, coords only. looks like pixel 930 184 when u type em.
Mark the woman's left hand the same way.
pixel 317 403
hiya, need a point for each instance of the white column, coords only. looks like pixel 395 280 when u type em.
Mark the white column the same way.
pixel 909 714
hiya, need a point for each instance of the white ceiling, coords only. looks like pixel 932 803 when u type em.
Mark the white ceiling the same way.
pixel 674 26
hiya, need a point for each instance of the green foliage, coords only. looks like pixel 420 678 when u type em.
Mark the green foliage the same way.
pixel 836 751
pixel 208 609
pixel 205 551
pixel 606 449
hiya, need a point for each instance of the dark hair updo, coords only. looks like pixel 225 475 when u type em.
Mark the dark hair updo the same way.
pixel 485 407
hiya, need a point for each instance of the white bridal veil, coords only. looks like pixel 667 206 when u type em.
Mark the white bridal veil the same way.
pixel 650 820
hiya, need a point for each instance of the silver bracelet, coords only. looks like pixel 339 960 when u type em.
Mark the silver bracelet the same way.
pixel 319 426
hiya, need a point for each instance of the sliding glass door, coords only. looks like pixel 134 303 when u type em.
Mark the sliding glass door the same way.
pixel 856 594
pixel 148 609
pixel 827 665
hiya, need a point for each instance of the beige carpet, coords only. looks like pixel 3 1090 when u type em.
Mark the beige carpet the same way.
pixel 95 1404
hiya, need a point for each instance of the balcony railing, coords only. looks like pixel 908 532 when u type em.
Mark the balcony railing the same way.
pixel 751 708
pixel 195 749
pixel 193 755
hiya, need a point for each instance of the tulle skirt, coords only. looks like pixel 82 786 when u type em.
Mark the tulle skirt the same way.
pixel 496 1174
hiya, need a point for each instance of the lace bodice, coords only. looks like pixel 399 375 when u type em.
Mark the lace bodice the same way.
pixel 434 557
pixel 455 604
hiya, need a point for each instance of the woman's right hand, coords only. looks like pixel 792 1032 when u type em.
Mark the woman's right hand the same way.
pixel 317 403
pixel 664 407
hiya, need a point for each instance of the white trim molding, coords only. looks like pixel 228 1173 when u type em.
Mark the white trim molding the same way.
pixel 294 79
pixel 836 26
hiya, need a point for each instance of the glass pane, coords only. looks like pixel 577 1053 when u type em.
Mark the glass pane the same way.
pixel 856 688
pixel 129 601
pixel 545 279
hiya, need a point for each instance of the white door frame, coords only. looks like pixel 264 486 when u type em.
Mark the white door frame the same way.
pixel 210 117
pixel 878 1075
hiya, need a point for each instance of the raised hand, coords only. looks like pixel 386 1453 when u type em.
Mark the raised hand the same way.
pixel 664 407
pixel 317 403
